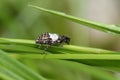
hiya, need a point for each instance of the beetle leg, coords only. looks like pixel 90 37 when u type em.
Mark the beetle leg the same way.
pixel 39 46
pixel 48 44
pixel 46 47
pixel 61 45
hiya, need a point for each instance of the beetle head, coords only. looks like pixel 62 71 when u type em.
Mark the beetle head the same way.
pixel 65 39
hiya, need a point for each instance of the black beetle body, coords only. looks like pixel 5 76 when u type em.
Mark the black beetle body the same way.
pixel 52 39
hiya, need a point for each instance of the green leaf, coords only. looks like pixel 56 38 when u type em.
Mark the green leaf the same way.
pixel 22 45
pixel 71 56
pixel 17 68
pixel 78 49
pixel 19 48
pixel 9 75
pixel 86 55
pixel 17 41
pixel 101 60
pixel 96 25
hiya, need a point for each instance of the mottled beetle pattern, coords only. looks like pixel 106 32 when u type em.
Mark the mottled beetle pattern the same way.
pixel 52 39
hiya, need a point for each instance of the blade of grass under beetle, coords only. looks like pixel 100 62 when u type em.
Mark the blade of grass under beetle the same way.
pixel 20 48
pixel 18 67
pixel 96 25
pixel 101 60
pixel 78 49
pixel 16 45
pixel 18 41
pixel 70 56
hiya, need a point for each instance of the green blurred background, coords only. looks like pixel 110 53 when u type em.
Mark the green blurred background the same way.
pixel 17 20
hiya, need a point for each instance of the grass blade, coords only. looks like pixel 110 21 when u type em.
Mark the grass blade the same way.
pixel 19 48
pixel 30 46
pixel 18 67
pixel 86 55
pixel 9 75
pixel 70 56
pixel 17 41
pixel 101 60
pixel 96 25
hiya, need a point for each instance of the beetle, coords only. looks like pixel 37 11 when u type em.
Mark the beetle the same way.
pixel 52 39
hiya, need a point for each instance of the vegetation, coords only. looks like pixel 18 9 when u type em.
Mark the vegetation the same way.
pixel 22 59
